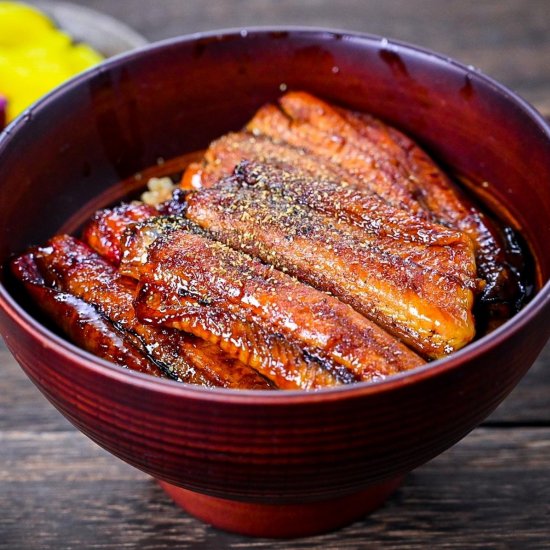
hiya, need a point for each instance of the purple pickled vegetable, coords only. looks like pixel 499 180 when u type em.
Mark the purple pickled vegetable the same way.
pixel 3 116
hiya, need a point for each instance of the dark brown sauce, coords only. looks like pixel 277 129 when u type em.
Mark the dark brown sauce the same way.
pixel 492 312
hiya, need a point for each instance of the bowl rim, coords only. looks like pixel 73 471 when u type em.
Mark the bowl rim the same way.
pixel 90 362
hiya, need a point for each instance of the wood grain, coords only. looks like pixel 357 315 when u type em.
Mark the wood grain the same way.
pixel 59 490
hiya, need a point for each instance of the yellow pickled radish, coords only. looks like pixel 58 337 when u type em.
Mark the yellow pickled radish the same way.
pixel 35 56
pixel 21 23
pixel 82 56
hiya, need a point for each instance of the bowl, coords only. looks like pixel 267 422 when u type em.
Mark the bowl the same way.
pixel 269 463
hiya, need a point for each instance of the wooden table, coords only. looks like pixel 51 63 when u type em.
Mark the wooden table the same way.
pixel 59 490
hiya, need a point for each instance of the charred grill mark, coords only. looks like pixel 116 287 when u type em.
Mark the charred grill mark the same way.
pixel 166 369
pixel 341 373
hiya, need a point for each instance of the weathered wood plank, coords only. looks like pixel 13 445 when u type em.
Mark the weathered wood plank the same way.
pixel 22 406
pixel 58 490
pixel 529 403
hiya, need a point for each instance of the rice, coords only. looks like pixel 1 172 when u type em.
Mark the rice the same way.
pixel 158 190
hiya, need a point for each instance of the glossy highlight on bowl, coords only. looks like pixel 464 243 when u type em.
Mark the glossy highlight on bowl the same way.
pixel 269 463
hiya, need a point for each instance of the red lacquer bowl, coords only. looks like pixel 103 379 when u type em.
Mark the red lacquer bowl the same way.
pixel 275 463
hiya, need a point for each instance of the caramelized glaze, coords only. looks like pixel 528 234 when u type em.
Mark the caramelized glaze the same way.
pixel 429 310
pixel 73 267
pixel 208 273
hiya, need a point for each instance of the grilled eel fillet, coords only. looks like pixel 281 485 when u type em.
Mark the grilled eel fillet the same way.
pixel 333 143
pixel 104 231
pixel 73 268
pixel 270 353
pixel 334 196
pixel 285 364
pixel 80 321
pixel 371 219
pixel 427 308
pixel 199 285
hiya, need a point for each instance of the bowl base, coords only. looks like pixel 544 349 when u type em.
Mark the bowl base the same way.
pixel 285 520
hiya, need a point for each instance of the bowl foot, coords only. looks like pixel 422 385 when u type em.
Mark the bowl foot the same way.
pixel 281 521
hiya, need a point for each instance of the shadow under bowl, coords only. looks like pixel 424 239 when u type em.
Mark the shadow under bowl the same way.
pixel 272 463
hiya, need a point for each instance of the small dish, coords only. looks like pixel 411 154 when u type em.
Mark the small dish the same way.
pixel 103 32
